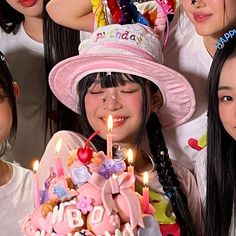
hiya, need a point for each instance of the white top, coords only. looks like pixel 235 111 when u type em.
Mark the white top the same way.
pixel 16 200
pixel 25 58
pixel 186 53
pixel 72 140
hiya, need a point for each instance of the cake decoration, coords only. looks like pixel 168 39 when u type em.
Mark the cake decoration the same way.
pixel 96 197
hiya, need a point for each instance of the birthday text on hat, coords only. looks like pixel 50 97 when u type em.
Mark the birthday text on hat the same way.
pixel 126 35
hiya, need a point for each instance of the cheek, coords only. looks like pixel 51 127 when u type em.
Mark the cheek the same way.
pixel 186 5
pixel 225 113
pixel 5 122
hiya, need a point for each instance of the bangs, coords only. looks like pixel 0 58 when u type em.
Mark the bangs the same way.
pixel 114 79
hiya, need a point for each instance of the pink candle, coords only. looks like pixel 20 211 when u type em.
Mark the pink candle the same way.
pixel 130 168
pixel 109 136
pixel 36 185
pixel 145 193
pixel 57 158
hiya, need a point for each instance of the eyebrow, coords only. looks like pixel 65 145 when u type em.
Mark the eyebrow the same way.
pixel 224 88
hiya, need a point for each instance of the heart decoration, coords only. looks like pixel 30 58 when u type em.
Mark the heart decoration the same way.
pixel 193 143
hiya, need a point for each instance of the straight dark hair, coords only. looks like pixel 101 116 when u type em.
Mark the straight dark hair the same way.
pixel 6 83
pixel 165 171
pixel 221 153
pixel 59 43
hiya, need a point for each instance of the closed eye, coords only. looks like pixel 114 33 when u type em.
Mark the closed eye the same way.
pixel 96 92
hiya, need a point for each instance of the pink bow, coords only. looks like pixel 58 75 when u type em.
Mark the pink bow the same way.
pixel 122 184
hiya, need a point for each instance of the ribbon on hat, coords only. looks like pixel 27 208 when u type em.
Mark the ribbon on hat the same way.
pixel 122 184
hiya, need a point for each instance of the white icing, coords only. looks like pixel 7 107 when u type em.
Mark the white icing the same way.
pixel 57 215
pixel 74 218
pixel 97 214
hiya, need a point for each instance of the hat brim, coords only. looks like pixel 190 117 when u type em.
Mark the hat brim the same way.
pixel 178 96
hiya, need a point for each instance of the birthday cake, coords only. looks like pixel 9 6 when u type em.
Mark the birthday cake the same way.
pixel 97 197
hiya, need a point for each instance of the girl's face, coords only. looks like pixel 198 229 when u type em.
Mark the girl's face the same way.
pixel 211 17
pixel 227 96
pixel 124 103
pixel 5 116
pixel 30 8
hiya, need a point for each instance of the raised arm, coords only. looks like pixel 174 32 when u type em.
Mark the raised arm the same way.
pixel 75 14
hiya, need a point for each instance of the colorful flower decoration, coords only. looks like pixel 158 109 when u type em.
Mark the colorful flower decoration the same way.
pixel 110 167
pixel 84 204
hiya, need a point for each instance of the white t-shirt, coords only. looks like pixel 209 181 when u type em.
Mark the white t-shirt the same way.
pixel 16 201
pixel 186 53
pixel 25 58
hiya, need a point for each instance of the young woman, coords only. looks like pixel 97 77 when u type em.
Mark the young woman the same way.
pixel 106 78
pixel 16 195
pixel 221 145
pixel 30 40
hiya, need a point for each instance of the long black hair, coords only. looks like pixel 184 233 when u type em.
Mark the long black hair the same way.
pixel 6 83
pixel 221 153
pixel 59 43
pixel 159 151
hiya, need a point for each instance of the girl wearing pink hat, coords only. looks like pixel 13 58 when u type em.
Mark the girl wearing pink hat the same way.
pixel 119 71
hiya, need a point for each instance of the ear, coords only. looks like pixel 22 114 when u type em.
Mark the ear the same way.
pixel 16 89
pixel 157 101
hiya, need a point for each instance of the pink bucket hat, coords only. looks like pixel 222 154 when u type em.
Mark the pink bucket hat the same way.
pixel 132 49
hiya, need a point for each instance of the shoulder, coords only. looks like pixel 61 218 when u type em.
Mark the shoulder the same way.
pixel 69 138
pixel 69 141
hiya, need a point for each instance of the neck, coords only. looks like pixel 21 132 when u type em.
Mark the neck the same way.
pixel 210 42
pixel 5 172
pixel 34 28
pixel 142 161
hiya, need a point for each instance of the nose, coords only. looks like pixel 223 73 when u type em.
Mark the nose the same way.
pixel 197 3
pixel 111 102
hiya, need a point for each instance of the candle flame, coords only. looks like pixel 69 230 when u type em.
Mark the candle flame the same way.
pixel 109 123
pixel 130 156
pixel 145 178
pixel 35 166
pixel 58 145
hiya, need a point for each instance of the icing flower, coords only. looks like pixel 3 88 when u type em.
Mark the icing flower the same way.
pixel 80 175
pixel 84 204
pixel 110 167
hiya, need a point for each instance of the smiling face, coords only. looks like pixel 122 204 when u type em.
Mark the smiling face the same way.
pixel 5 116
pixel 227 96
pixel 211 17
pixel 29 8
pixel 124 103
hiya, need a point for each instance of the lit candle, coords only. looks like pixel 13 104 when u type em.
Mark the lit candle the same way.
pixel 58 161
pixel 109 136
pixel 36 185
pixel 145 193
pixel 130 161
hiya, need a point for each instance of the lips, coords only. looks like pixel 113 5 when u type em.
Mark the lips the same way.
pixel 200 17
pixel 117 121
pixel 28 3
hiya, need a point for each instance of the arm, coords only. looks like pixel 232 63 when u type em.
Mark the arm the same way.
pixel 189 187
pixel 76 14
